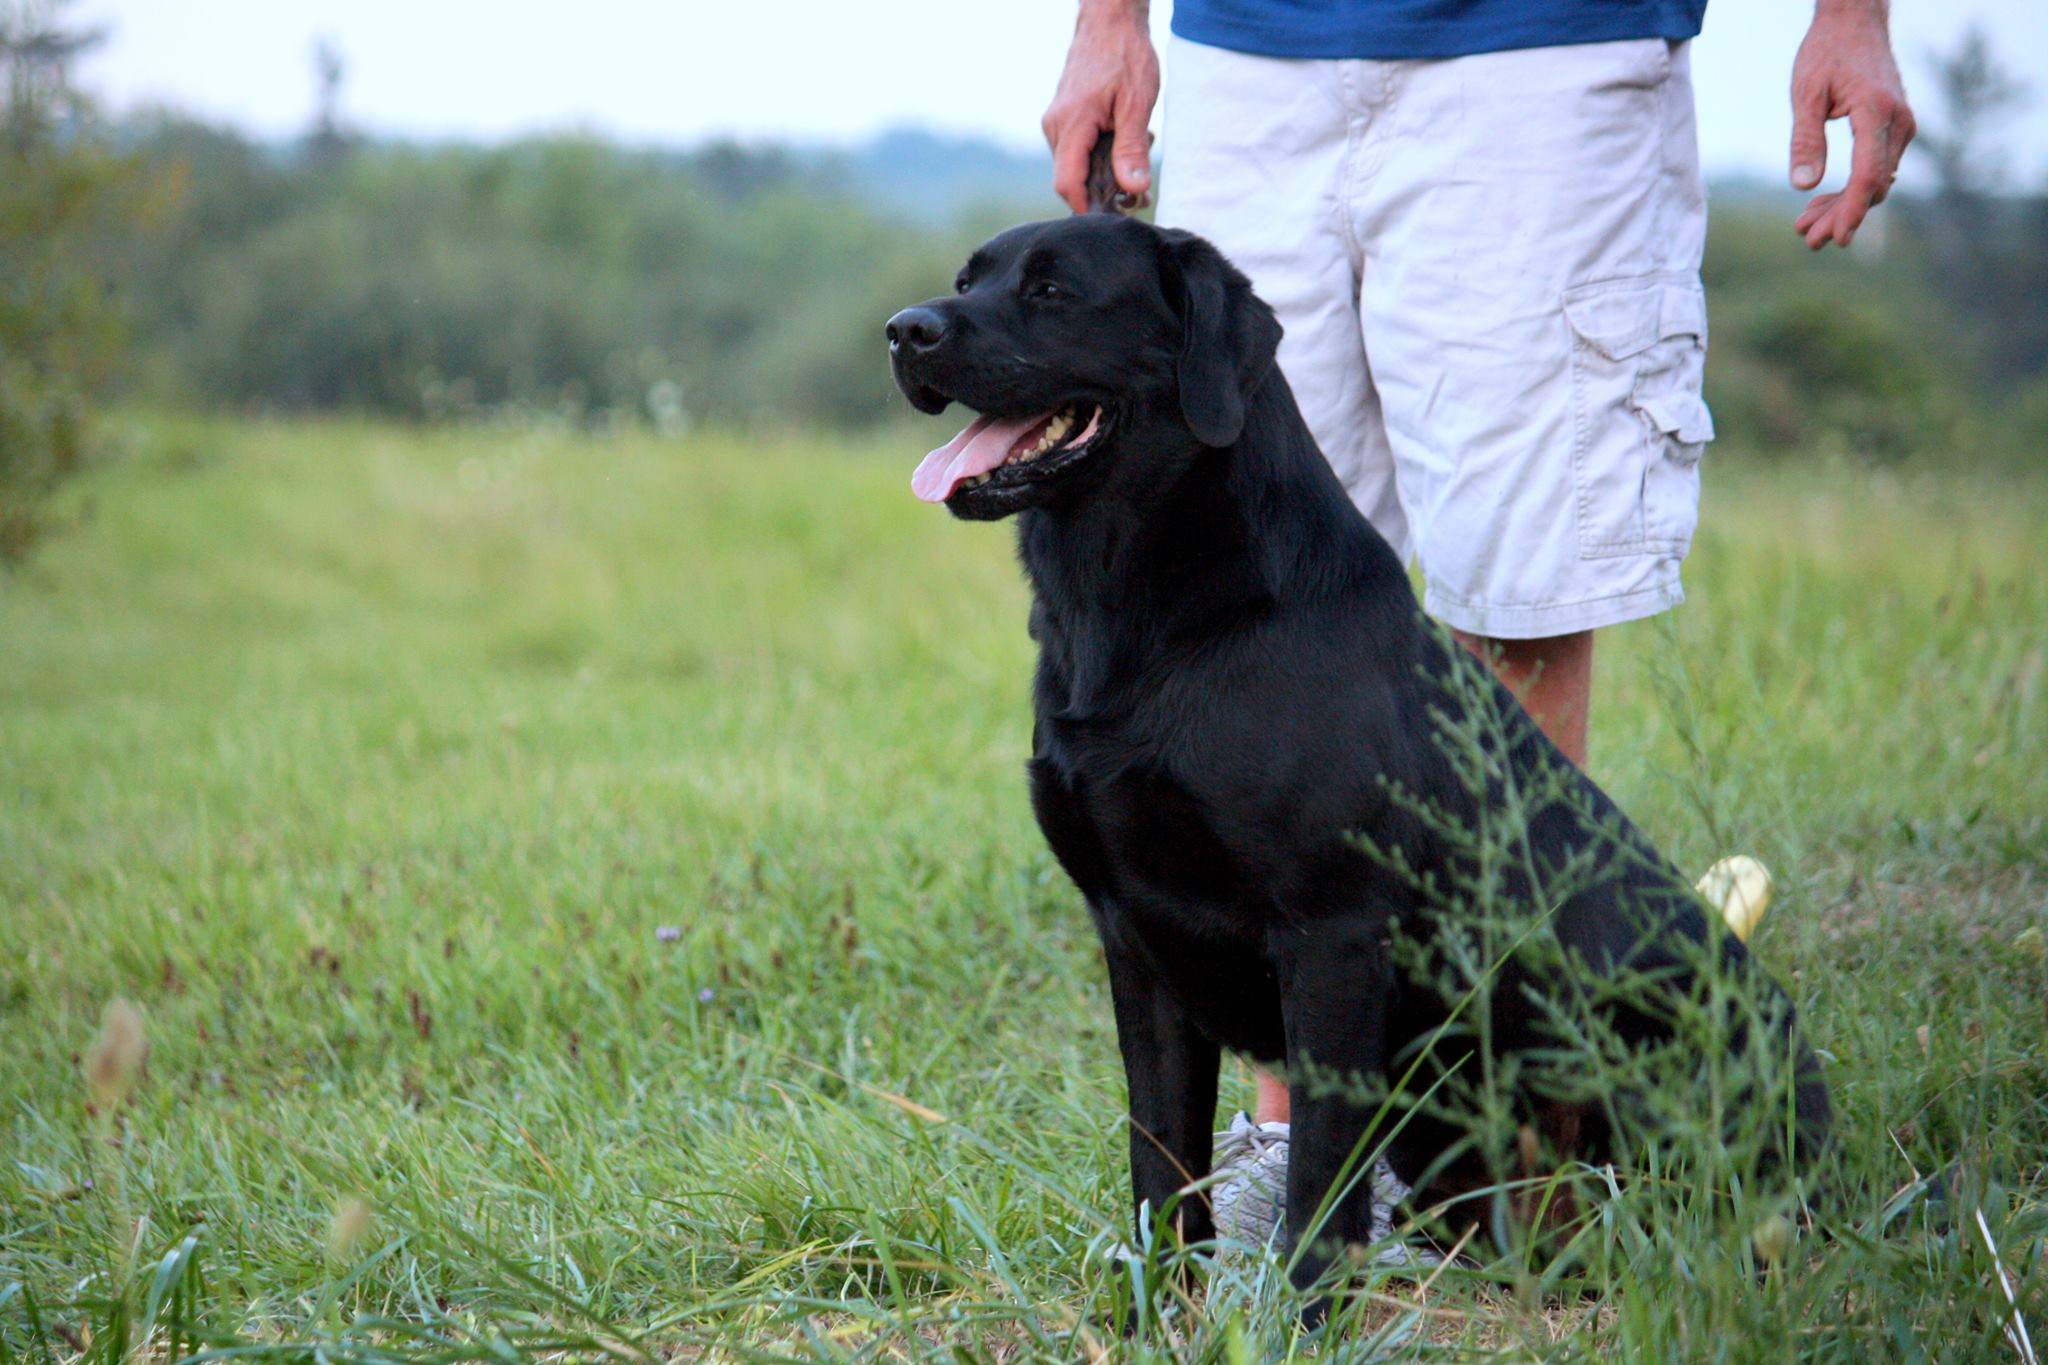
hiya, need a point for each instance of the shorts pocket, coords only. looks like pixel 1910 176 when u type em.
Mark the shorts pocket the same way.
pixel 1639 348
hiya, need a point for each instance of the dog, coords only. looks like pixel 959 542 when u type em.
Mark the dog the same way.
pixel 1247 750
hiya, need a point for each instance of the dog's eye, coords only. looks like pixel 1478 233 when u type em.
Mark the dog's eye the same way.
pixel 1044 289
pixel 960 284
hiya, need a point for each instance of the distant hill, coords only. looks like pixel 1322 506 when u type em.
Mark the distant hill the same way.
pixel 736 283
pixel 910 174
pixel 928 177
pixel 907 174
pixel 931 178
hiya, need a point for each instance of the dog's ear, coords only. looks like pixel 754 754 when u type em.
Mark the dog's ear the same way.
pixel 1228 336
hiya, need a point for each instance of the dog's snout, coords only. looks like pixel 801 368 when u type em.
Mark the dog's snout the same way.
pixel 917 329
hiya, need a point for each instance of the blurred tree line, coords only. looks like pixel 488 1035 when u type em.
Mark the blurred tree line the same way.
pixel 562 275
pixel 747 286
pixel 731 286
pixel 59 336
pixel 599 285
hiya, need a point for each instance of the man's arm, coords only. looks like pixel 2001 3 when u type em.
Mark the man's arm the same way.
pixel 1845 70
pixel 1110 84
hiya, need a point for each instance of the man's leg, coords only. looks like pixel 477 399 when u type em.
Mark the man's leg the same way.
pixel 1552 676
pixel 1272 1103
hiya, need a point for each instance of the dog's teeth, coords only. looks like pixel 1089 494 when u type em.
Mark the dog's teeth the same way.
pixel 1055 431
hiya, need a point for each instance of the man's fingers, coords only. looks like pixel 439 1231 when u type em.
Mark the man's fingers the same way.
pixel 1817 223
pixel 1813 224
pixel 1875 152
pixel 1836 223
pixel 1870 175
pixel 1809 137
pixel 1904 128
pixel 1823 230
pixel 1848 215
pixel 1872 161
pixel 1130 154
pixel 1070 161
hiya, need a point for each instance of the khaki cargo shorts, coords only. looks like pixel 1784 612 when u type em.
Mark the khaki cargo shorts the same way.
pixel 1488 269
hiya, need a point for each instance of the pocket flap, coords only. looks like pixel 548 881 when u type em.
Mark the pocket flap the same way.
pixel 1682 311
pixel 1621 320
pixel 1681 415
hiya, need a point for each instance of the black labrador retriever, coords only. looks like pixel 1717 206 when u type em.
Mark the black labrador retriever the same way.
pixel 1247 754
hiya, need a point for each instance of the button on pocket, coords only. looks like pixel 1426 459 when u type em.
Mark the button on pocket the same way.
pixel 1639 423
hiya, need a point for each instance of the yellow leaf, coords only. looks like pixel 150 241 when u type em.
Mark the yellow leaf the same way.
pixel 1740 888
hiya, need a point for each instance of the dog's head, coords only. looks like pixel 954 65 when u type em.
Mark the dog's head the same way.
pixel 1096 349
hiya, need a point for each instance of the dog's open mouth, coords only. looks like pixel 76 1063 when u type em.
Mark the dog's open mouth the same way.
pixel 1002 450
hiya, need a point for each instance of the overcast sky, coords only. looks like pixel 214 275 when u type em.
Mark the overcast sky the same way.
pixel 671 71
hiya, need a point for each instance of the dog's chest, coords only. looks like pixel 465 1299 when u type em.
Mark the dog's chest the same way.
pixel 1125 826
pixel 1164 887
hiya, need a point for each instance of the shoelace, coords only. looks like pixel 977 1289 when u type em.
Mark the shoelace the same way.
pixel 1251 1140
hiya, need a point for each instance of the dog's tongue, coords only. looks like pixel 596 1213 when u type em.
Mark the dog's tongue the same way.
pixel 977 450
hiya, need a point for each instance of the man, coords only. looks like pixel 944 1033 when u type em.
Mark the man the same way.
pixel 1481 223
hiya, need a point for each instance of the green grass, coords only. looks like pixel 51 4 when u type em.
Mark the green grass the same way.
pixel 371 763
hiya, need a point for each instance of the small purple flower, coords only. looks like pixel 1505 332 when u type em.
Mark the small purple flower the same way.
pixel 667 933
pixel 704 996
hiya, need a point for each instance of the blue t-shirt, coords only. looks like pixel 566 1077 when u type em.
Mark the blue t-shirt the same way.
pixel 1393 29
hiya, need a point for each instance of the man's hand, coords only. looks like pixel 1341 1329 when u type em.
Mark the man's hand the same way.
pixel 1110 83
pixel 1845 70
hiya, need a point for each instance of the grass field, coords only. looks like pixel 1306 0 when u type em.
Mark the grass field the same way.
pixel 377 767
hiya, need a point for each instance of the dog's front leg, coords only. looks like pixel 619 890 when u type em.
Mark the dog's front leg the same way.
pixel 1171 1070
pixel 1334 980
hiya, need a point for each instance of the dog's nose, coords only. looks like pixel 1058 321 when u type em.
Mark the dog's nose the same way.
pixel 916 329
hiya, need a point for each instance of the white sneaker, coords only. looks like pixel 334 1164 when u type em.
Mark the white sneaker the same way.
pixel 1249 1194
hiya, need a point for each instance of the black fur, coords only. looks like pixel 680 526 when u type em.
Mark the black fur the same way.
pixel 1235 681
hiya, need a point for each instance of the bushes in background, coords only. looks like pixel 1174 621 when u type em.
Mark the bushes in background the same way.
pixel 565 275
pixel 59 339
pixel 605 285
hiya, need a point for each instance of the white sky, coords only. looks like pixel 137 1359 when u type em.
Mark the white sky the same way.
pixel 832 70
